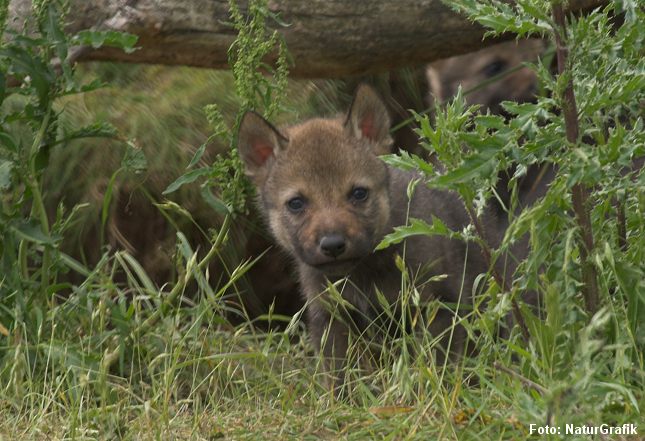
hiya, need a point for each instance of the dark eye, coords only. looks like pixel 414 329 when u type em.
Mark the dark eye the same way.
pixel 359 194
pixel 296 205
pixel 494 68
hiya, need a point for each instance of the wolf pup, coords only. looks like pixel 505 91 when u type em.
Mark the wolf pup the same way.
pixel 472 72
pixel 329 200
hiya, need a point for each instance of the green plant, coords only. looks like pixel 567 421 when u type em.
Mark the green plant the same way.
pixel 586 234
pixel 114 356
pixel 226 174
pixel 260 87
pixel 36 71
pixel 76 335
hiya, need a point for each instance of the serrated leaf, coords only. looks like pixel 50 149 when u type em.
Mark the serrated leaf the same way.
pixel 92 86
pixel 134 159
pixel 498 24
pixel 402 161
pixel 22 62
pixel 407 161
pixel 475 166
pixel 490 121
pixel 416 227
pixel 96 130
pixel 96 39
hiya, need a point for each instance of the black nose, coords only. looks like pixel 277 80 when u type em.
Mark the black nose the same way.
pixel 332 245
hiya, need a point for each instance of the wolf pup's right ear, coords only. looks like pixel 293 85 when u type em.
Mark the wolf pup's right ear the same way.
pixel 258 144
pixel 368 118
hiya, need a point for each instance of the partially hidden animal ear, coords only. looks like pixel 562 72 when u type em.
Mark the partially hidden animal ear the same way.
pixel 434 81
pixel 368 118
pixel 259 143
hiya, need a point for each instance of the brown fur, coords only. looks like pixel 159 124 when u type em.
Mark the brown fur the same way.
pixel 322 162
pixel 471 70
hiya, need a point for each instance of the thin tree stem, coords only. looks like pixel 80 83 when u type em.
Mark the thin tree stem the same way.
pixel 579 192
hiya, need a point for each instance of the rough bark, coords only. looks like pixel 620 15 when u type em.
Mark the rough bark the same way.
pixel 326 38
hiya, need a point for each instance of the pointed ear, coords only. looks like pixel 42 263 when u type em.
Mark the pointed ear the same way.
pixel 258 144
pixel 368 118
pixel 434 81
pixel 433 75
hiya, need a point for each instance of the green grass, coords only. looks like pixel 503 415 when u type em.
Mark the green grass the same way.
pixel 194 375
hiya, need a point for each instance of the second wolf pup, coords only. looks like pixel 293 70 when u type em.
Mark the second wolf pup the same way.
pixel 329 200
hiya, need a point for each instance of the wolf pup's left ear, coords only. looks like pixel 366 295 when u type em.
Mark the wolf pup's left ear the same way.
pixel 368 118
pixel 258 144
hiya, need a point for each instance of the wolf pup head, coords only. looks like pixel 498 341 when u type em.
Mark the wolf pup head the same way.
pixel 471 71
pixel 321 184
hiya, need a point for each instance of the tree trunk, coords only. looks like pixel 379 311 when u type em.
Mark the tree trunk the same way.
pixel 326 38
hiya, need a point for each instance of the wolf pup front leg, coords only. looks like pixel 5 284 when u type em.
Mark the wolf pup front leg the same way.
pixel 325 195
